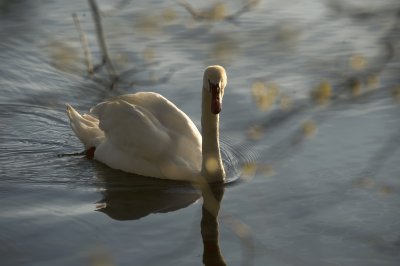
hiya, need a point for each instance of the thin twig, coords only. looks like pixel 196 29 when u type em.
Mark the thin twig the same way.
pixel 85 45
pixel 114 79
pixel 208 14
pixel 102 42
pixel 196 15
pixel 99 66
pixel 361 13
pixel 245 8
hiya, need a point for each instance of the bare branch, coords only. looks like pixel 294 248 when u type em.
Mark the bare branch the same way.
pixel 358 13
pixel 85 45
pixel 114 79
pixel 101 40
pixel 213 14
pixel 246 8
pixel 190 9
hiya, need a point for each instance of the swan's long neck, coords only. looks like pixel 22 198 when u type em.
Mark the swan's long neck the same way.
pixel 212 167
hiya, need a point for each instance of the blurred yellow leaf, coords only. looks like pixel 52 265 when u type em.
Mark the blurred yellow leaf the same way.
pixel 396 93
pixel 255 132
pixel 357 62
pixel 100 257
pixel 148 24
pixel 322 93
pixel 373 81
pixel 169 14
pixel 266 170
pixel 148 54
pixel 224 50
pixel 64 56
pixel 288 33
pixel 285 102
pixel 355 87
pixel 385 190
pixel 365 182
pixel 264 94
pixel 249 170
pixel 121 59
pixel 218 11
pixel 309 128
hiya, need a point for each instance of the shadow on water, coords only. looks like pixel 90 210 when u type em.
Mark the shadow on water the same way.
pixel 131 197
pixel 127 198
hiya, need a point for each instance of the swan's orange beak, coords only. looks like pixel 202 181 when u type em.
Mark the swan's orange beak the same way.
pixel 216 101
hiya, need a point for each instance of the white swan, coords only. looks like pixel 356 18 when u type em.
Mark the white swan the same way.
pixel 146 134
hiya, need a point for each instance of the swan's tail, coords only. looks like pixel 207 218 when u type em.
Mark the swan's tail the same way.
pixel 86 128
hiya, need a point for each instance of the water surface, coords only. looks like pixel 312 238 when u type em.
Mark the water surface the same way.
pixel 319 185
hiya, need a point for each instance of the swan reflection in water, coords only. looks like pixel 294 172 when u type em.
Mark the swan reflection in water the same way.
pixel 212 196
pixel 127 198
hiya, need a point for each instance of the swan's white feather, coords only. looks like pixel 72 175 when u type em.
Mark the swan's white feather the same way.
pixel 86 128
pixel 141 133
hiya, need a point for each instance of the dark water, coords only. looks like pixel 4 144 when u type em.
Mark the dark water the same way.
pixel 319 185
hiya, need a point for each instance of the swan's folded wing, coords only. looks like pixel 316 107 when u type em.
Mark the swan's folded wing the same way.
pixel 167 113
pixel 185 137
pixel 132 128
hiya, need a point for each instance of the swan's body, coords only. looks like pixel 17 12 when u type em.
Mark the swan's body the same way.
pixel 146 134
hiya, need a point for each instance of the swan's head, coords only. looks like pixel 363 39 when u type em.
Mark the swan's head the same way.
pixel 214 83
